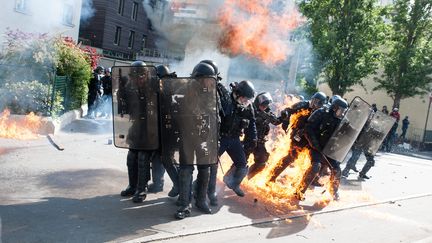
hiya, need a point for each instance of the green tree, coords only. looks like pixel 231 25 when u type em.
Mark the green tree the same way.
pixel 408 63
pixel 346 36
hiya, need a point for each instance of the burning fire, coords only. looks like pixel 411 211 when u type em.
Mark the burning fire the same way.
pixel 281 194
pixel 253 28
pixel 26 128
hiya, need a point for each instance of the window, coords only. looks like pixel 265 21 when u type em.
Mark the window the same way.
pixel 143 42
pixel 135 11
pixel 68 15
pixel 22 6
pixel 120 7
pixel 117 36
pixel 131 39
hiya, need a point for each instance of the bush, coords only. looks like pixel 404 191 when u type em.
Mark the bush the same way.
pixel 74 62
pixel 23 97
pixel 37 58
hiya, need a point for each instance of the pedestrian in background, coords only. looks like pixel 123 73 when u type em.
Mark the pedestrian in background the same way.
pixel 106 81
pixel 384 110
pixel 405 124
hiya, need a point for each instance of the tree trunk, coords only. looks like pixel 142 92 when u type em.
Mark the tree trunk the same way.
pixel 396 101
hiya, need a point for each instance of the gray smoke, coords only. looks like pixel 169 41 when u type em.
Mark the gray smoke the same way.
pixel 87 11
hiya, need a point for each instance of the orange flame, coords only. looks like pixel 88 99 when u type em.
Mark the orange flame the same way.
pixel 250 27
pixel 26 128
pixel 280 195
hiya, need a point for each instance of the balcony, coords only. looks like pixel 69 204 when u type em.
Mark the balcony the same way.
pixel 159 56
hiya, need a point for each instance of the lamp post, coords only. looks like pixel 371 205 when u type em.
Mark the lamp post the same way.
pixel 427 117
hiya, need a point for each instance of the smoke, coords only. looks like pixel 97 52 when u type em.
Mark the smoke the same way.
pixel 87 11
pixel 249 40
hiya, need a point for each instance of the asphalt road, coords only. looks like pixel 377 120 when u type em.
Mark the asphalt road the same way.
pixel 47 195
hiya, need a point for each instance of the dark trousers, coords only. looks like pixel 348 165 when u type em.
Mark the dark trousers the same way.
pixel 317 160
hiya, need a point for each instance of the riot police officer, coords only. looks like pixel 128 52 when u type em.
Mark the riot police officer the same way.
pixel 298 140
pixel 194 137
pixel 238 117
pixel 356 151
pixel 318 130
pixel 263 118
pixel 138 100
pixel 223 98
pixel 166 160
pixel 95 92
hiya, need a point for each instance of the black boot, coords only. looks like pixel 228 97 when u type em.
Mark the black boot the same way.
pixel 132 165
pixel 185 178
pixel 155 187
pixel 129 191
pixel 143 176
pixel 202 183
pixel 228 177
pixel 239 174
pixel 140 195
pixel 345 172
pixel 173 192
pixel 158 172
pixel 369 164
pixel 211 192
pixel 172 172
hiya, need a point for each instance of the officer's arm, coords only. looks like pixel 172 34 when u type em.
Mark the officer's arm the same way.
pixel 311 128
pixel 251 132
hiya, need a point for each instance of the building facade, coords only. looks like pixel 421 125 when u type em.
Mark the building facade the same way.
pixel 55 17
pixel 122 30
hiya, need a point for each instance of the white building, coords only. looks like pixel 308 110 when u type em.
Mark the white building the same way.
pixel 41 16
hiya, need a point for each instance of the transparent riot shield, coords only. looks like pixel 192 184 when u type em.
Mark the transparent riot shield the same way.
pixel 348 130
pixel 189 119
pixel 374 132
pixel 135 107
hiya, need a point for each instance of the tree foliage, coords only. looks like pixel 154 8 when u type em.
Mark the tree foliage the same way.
pixel 408 63
pixel 346 36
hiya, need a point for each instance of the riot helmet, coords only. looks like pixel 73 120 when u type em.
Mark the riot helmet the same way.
pixel 138 69
pixel 339 106
pixel 263 100
pixel 99 70
pixel 243 92
pixel 317 100
pixel 162 71
pixel 213 64
pixel 203 70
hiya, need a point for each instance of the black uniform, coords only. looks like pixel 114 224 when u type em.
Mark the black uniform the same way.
pixel 236 120
pixel 263 119
pixel 94 93
pixel 318 130
pixel 137 99
pixel 298 140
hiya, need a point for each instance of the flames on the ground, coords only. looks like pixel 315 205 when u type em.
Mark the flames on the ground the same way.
pixel 25 128
pixel 256 28
pixel 280 195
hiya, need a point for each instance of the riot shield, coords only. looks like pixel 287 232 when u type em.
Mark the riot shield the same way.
pixel 348 130
pixel 189 119
pixel 374 132
pixel 135 107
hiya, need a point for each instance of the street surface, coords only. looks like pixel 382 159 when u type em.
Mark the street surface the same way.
pixel 47 195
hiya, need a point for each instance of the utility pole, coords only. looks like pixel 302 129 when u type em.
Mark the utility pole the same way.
pixel 427 117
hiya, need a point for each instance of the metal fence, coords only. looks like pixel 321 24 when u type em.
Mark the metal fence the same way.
pixel 62 86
